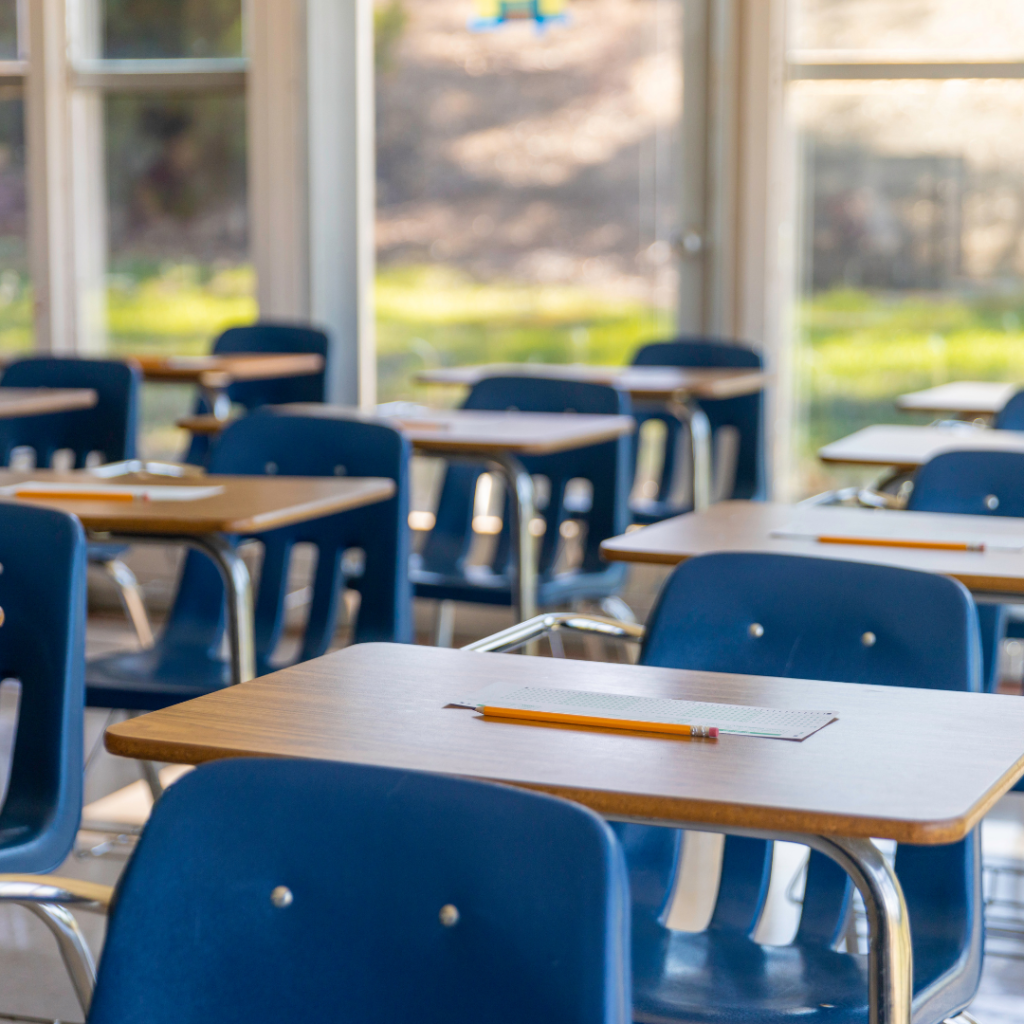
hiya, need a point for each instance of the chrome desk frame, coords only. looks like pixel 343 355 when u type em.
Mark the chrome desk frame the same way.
pixel 237 587
pixel 890 957
pixel 523 508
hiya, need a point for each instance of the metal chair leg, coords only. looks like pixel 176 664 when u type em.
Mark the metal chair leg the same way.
pixel 614 607
pixel 151 774
pixel 48 896
pixel 131 598
pixel 444 624
pixel 73 948
pixel 148 769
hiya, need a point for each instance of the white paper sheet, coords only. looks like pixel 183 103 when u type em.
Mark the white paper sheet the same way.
pixel 738 719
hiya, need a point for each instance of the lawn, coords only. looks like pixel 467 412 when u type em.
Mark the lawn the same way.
pixel 855 350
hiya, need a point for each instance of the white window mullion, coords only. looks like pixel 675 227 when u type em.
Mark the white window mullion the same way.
pixel 311 176
pixel 49 176
pixel 88 173
pixel 276 113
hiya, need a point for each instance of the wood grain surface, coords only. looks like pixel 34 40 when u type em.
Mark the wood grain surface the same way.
pixel 919 766
pixel 961 397
pixel 650 382
pixel 221 371
pixel 15 402
pixel 909 447
pixel 461 431
pixel 748 526
pixel 248 504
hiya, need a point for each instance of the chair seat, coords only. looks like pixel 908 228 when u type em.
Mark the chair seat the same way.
pixel 483 587
pixel 721 977
pixel 97 552
pixel 153 679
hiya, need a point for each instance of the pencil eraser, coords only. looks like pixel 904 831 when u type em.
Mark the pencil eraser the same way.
pixel 713 732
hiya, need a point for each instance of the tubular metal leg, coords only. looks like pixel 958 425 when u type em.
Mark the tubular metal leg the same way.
pixel 152 779
pixel 218 401
pixel 444 624
pixel 131 599
pixel 523 511
pixel 689 412
pixel 890 959
pixel 890 956
pixel 238 587
pixel 73 948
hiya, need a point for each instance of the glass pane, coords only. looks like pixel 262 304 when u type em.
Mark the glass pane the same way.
pixel 938 29
pixel 526 185
pixel 179 270
pixel 172 28
pixel 8 29
pixel 16 333
pixel 913 247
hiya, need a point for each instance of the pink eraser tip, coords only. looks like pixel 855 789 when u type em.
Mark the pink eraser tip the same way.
pixel 713 732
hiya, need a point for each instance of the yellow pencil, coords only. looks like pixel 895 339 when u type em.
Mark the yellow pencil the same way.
pixel 74 495
pixel 562 718
pixel 894 542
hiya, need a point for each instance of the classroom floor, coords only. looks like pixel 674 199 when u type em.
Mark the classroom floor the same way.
pixel 33 983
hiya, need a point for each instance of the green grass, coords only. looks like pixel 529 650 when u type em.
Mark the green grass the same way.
pixel 855 351
pixel 430 316
pixel 858 351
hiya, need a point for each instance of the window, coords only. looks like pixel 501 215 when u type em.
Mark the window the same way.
pixel 526 185
pixel 912 206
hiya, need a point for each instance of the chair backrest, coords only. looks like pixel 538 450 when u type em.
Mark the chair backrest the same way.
pixel 984 483
pixel 815 618
pixel 270 891
pixel 265 337
pixel 745 414
pixel 974 483
pixel 273 338
pixel 42 645
pixel 108 428
pixel 266 443
pixel 1011 416
pixel 850 622
pixel 606 467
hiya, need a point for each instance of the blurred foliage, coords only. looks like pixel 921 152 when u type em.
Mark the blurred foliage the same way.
pixel 172 28
pixel 8 29
pixel 389 20
pixel 181 309
pixel 176 172
pixel 436 316
pixel 858 351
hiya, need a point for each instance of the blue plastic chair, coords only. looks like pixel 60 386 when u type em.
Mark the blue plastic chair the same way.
pixel 976 483
pixel 270 890
pixel 265 337
pixel 107 432
pixel 820 619
pixel 186 662
pixel 744 414
pixel 109 428
pixel 42 645
pixel 441 571
pixel 1011 416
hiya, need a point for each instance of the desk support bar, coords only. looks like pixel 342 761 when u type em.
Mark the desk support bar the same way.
pixel 237 586
pixel 687 411
pixel 523 509
pixel 540 625
pixel 890 959
pixel 48 897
